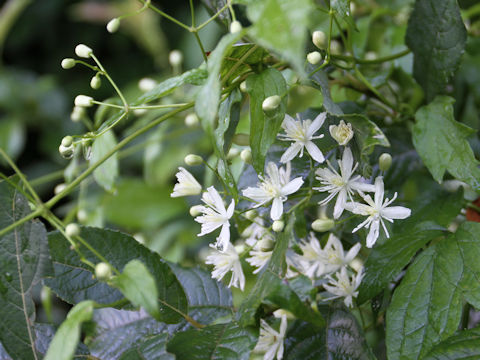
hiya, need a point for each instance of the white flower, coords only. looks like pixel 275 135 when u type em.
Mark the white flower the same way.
pixel 377 211
pixel 270 341
pixel 344 286
pixel 262 252
pixel 254 231
pixel 225 261
pixel 317 262
pixel 276 186
pixel 342 132
pixel 342 184
pixel 186 185
pixel 301 132
pixel 214 216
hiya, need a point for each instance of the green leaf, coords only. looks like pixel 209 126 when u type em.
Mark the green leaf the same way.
pixel 107 172
pixel 436 35
pixel 442 145
pixel 264 127
pixel 281 26
pixel 242 57
pixel 224 341
pixel 138 286
pixel 367 133
pixel 24 260
pixel 342 9
pixel 194 77
pixel 66 339
pixel 320 81
pixel 12 138
pixel 74 282
pixel 463 345
pixel 152 348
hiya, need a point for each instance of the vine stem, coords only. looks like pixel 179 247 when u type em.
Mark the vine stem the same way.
pixel 373 61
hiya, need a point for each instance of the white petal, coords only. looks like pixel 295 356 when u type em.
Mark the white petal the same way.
pixel 396 212
pixel 352 252
pixel 340 204
pixel 257 194
pixel 315 152
pixel 359 185
pixel 231 209
pixel 224 238
pixel 373 233
pixel 291 152
pixel 347 163
pixel 317 123
pixel 277 209
pixel 379 192
pixel 358 208
pixel 292 186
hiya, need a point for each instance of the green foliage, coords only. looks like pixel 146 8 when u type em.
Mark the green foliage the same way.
pixel 106 173
pixel 463 345
pixel 152 348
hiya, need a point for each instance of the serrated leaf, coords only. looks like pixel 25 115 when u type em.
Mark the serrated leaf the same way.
pixel 463 345
pixel 67 336
pixel 442 145
pixel 194 77
pixel 106 174
pixel 138 286
pixel 223 341
pixel 74 282
pixel 264 127
pixel 24 260
pixel 152 348
pixel 437 36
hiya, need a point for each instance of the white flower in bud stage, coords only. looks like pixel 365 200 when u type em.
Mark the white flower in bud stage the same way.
pixel 254 231
pixel 343 184
pixel 377 210
pixel 262 252
pixel 342 132
pixel 302 133
pixel 225 261
pixel 344 286
pixel 276 186
pixel 186 185
pixel 270 341
pixel 214 216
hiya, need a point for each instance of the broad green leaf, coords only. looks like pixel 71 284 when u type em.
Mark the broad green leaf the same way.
pixel 320 81
pixel 281 26
pixel 67 336
pixel 152 348
pixel 194 77
pixel 341 8
pixel 223 341
pixel 436 35
pixel 264 127
pixel 138 286
pixel 367 133
pixel 462 345
pixel 106 174
pixel 239 60
pixel 442 143
pixel 74 282
pixel 12 138
pixel 24 261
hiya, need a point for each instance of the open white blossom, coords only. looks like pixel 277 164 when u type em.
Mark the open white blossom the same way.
pixel 317 262
pixel 270 341
pixel 302 134
pixel 344 184
pixel 225 261
pixel 377 210
pixel 214 216
pixel 275 187
pixel 254 231
pixel 261 252
pixel 186 185
pixel 344 285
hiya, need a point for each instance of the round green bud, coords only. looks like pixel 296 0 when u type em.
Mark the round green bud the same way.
pixel 83 51
pixel 319 39
pixel 192 160
pixel 68 63
pixel 385 161
pixel 322 225
pixel 314 57
pixel 191 120
pixel 271 103
pixel 83 101
pixel 66 151
pixel 241 139
pixel 246 156
pixel 95 82
pixel 278 225
pixel 235 27
pixel 113 25
pixel 175 58
pixel 67 141
pixel 243 86
pixel 103 272
pixel 72 229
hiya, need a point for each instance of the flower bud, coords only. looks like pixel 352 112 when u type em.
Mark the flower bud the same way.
pixel 314 57
pixel 251 214
pixel 265 244
pixel 146 84
pixel 232 153
pixel 72 229
pixel 342 132
pixel 243 86
pixel 371 55
pixel 246 156
pixel 319 39
pixel 322 225
pixel 77 114
pixel 385 161
pixel 96 82
pixel 66 151
pixel 280 312
pixel 241 139
pixel 103 271
pixel 240 248
pixel 59 188
pixel 335 47
pixel 68 63
pixel 67 141
pixel 356 264
pixel 83 51
pixel 113 25
pixel 139 112
pixel 191 120
pixel 175 58
pixel 83 101
pixel 196 210
pixel 278 225
pixel 235 27
pixel 192 160
pixel 271 103
pixel 82 215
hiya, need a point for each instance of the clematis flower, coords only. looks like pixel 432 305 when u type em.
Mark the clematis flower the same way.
pixel 186 185
pixel 342 185
pixel 344 286
pixel 261 252
pixel 225 261
pixel 275 187
pixel 302 134
pixel 377 211
pixel 214 216
pixel 270 341
pixel 342 132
